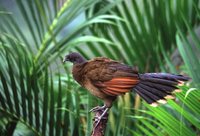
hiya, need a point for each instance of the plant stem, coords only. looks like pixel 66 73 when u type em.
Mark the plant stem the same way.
pixel 50 31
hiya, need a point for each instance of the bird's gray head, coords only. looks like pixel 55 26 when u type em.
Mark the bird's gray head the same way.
pixel 75 58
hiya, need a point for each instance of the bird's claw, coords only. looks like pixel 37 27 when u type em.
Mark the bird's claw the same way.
pixel 98 108
pixel 94 109
pixel 96 118
pixel 102 116
pixel 98 121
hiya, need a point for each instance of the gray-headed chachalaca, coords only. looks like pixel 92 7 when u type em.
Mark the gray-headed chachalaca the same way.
pixel 107 79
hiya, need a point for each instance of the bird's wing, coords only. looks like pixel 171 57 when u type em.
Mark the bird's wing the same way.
pixel 111 77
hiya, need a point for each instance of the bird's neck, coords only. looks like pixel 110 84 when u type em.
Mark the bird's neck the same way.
pixel 77 71
pixel 80 61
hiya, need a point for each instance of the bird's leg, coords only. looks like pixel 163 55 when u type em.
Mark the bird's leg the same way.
pixel 98 108
pixel 101 112
pixel 98 119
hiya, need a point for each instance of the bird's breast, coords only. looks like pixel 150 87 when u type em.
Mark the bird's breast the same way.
pixel 94 90
pixel 78 75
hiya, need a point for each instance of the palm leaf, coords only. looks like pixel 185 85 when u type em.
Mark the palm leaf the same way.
pixel 28 95
pixel 189 51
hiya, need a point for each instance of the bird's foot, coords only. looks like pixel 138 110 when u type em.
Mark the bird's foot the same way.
pixel 98 108
pixel 102 116
pixel 96 118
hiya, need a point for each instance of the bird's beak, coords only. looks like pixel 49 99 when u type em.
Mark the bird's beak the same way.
pixel 65 59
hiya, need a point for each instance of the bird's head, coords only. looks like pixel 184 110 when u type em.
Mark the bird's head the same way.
pixel 74 57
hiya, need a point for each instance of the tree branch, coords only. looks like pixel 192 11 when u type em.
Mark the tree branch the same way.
pixel 100 129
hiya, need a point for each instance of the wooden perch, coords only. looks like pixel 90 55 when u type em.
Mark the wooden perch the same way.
pixel 100 129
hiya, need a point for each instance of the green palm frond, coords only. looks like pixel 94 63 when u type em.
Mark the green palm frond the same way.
pixel 37 97
pixel 174 119
pixel 189 51
pixel 145 25
pixel 146 37
pixel 33 97
pixel 36 101
pixel 48 31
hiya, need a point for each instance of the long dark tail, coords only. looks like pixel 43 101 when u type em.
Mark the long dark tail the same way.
pixel 155 88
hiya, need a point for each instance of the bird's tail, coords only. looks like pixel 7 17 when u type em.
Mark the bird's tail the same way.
pixel 155 88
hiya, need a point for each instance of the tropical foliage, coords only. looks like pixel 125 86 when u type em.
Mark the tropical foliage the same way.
pixel 38 95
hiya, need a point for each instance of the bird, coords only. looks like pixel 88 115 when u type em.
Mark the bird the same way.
pixel 107 79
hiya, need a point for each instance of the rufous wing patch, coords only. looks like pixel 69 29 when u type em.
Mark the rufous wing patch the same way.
pixel 119 85
pixel 110 92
